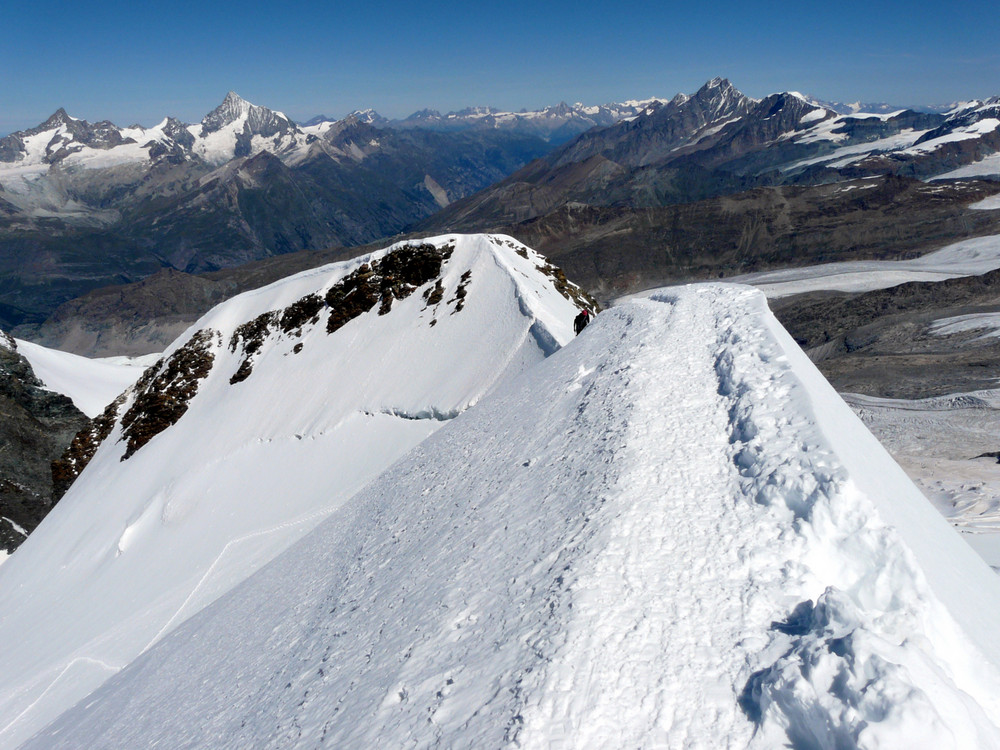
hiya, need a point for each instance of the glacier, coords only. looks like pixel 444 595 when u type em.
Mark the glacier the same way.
pixel 671 532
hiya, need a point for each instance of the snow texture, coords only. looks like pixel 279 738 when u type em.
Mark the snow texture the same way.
pixel 671 533
pixel 139 545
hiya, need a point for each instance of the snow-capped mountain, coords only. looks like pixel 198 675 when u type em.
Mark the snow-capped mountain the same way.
pixel 102 204
pixel 556 124
pixel 238 128
pixel 235 128
pixel 926 146
pixel 260 421
pixel 719 141
pixel 672 532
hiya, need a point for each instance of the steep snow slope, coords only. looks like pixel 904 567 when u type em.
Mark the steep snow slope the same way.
pixel 670 533
pixel 284 421
pixel 92 384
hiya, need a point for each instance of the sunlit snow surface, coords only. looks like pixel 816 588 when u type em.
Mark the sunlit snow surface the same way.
pixel 137 546
pixel 91 384
pixel 671 533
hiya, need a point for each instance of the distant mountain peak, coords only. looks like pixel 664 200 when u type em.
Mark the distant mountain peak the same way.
pixel 233 107
pixel 716 87
pixel 59 117
pixel 368 116
pixel 246 120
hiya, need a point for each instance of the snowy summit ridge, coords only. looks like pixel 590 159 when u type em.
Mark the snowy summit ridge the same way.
pixel 671 532
pixel 271 411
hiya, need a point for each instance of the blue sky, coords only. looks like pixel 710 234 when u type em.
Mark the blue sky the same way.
pixel 130 62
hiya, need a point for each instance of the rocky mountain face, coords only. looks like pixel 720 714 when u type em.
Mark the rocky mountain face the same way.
pixel 36 425
pixel 719 141
pixel 85 205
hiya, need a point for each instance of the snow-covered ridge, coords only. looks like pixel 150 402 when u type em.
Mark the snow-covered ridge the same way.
pixel 264 417
pixel 672 532
pixel 91 384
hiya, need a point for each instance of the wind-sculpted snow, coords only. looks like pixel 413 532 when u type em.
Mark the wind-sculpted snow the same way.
pixel 671 533
pixel 222 476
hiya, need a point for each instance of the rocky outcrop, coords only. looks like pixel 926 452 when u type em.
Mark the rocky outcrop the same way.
pixel 164 391
pixel 36 425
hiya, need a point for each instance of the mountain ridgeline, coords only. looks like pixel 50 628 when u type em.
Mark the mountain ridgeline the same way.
pixel 292 397
pixel 87 205
pixel 719 141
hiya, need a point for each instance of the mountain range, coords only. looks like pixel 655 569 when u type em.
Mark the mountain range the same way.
pixel 84 205
pixel 87 205
pixel 719 141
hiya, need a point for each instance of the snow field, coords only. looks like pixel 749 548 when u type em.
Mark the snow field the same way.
pixel 91 384
pixel 987 204
pixel 988 323
pixel 671 533
pixel 253 466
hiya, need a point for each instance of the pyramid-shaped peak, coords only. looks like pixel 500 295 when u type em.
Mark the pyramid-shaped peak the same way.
pixel 722 98
pixel 232 108
pixel 716 86
pixel 59 117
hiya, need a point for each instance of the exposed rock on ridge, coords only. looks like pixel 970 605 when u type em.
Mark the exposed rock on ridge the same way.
pixel 36 425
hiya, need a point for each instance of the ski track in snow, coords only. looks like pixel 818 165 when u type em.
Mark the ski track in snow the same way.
pixel 647 541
